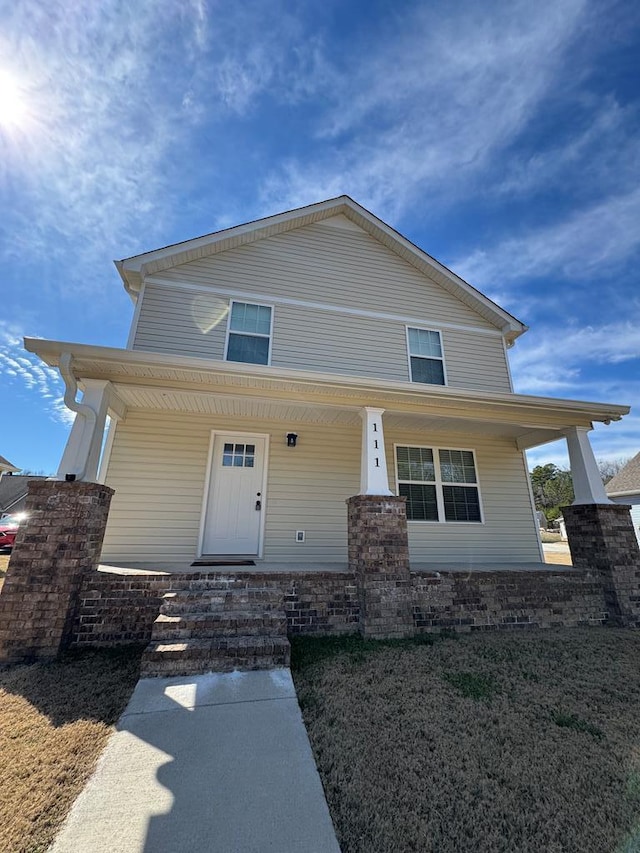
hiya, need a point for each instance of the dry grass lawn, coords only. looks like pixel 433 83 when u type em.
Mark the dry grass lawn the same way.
pixel 54 722
pixel 490 742
pixel 4 565
pixel 559 559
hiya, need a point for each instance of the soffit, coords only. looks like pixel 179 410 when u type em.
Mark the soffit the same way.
pixel 205 377
pixel 291 412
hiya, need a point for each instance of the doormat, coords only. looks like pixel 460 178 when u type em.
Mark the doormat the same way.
pixel 224 563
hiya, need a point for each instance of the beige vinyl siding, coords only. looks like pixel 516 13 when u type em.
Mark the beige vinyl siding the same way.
pixel 182 322
pixel 475 361
pixel 508 533
pixel 158 468
pixel 333 266
pixel 193 323
pixel 310 339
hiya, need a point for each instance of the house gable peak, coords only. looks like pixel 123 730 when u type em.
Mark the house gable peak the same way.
pixel 340 212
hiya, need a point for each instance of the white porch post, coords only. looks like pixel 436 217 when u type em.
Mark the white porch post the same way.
pixel 587 483
pixel 373 462
pixel 82 452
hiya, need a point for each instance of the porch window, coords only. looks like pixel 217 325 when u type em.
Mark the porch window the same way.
pixel 425 356
pixel 249 336
pixel 439 484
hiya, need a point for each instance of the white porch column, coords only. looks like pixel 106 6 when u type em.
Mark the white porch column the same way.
pixel 373 462
pixel 82 453
pixel 587 483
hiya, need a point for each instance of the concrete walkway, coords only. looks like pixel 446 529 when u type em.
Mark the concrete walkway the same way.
pixel 216 763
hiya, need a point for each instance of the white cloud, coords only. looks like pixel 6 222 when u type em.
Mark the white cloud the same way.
pixel 588 242
pixel 36 378
pixel 600 150
pixel 428 105
pixel 555 359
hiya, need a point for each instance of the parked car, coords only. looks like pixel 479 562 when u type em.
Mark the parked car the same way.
pixel 8 528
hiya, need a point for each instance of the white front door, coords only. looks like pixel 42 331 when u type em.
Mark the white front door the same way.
pixel 235 503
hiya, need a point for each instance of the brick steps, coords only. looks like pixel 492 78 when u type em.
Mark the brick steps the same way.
pixel 217 654
pixel 213 600
pixel 206 627
pixel 259 623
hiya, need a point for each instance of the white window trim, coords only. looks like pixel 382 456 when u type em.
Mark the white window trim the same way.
pixel 439 482
pixel 230 331
pixel 434 357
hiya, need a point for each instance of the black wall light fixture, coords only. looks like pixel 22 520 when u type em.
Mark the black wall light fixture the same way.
pixel 292 439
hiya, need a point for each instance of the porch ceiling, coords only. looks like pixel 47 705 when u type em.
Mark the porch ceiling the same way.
pixel 179 383
pixel 175 400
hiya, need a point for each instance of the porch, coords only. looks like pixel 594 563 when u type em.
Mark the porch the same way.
pixel 268 568
pixel 319 439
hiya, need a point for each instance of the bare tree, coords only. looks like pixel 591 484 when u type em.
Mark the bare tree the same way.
pixel 610 467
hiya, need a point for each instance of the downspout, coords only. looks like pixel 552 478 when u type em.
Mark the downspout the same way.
pixel 70 391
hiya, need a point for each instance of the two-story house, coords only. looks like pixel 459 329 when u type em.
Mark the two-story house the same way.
pixel 277 368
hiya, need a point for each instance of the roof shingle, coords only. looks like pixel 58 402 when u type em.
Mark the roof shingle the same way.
pixel 627 479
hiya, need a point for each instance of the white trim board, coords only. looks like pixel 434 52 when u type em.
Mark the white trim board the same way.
pixel 246 296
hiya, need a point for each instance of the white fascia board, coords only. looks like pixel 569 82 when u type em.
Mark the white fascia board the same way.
pixel 175 251
pixel 51 351
pixel 630 493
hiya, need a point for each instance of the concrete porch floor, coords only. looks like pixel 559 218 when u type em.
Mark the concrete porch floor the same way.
pixel 158 568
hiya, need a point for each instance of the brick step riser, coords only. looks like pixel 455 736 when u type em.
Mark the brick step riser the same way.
pixel 195 588
pixel 201 630
pixel 196 666
pixel 226 585
pixel 194 607
pixel 266 599
pixel 215 654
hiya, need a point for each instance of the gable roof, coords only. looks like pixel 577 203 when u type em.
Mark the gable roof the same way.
pixel 133 270
pixel 627 480
pixel 5 465
pixel 14 489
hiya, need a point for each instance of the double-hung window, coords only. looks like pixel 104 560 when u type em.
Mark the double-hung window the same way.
pixel 425 356
pixel 439 485
pixel 249 337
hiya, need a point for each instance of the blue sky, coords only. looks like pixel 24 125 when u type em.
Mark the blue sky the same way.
pixel 501 137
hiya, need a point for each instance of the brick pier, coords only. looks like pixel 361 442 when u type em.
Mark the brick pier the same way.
pixel 56 547
pixel 602 540
pixel 379 558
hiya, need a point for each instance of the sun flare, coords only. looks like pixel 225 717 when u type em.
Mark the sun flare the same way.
pixel 13 102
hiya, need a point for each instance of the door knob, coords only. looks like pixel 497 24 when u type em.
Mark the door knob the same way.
pixel 258 504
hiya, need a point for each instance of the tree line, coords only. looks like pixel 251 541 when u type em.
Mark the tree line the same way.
pixel 553 488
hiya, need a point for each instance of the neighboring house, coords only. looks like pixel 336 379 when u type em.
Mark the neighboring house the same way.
pixel 279 367
pixel 13 492
pixel 624 488
pixel 6 467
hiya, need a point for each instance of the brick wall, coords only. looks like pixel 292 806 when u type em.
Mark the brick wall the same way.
pixel 116 609
pixel 504 600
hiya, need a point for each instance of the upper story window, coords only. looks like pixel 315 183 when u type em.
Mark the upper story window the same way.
pixel 425 356
pixel 439 485
pixel 249 334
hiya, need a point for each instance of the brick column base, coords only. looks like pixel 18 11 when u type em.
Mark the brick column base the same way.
pixel 59 542
pixel 379 557
pixel 601 539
